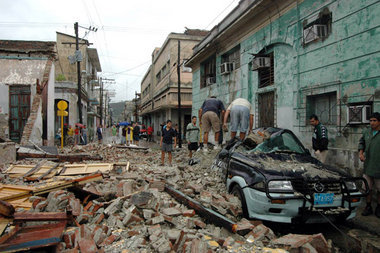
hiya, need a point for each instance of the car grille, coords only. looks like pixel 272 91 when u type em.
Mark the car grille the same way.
pixel 309 187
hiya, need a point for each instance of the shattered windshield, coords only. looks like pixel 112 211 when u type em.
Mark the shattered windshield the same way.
pixel 284 142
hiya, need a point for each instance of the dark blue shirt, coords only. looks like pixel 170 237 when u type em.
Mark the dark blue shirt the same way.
pixel 167 135
pixel 212 104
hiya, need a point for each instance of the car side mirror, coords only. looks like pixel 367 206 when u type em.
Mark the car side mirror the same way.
pixel 223 153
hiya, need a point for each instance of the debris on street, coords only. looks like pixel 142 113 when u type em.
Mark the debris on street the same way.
pixel 130 202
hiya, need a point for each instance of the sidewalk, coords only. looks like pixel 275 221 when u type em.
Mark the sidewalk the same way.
pixel 367 223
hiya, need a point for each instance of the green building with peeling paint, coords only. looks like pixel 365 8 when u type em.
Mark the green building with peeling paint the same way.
pixel 291 59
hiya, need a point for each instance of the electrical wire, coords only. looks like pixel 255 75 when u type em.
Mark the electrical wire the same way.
pixel 220 14
pixel 127 70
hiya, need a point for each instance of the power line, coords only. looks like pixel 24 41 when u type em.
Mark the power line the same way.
pixel 113 74
pixel 220 13
pixel 87 12
pixel 135 67
pixel 104 33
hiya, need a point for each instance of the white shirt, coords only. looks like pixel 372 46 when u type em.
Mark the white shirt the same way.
pixel 242 102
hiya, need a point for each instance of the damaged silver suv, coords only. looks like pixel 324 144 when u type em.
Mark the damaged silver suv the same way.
pixel 278 180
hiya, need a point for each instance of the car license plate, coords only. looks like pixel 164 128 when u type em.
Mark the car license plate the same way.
pixel 323 198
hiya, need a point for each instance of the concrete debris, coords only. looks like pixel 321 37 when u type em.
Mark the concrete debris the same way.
pixel 130 210
pixel 362 241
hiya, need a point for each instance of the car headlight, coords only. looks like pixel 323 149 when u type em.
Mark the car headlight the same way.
pixel 280 186
pixel 351 186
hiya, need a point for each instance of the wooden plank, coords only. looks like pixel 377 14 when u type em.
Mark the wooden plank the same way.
pixel 49 171
pixel 23 169
pixel 6 209
pixel 32 237
pixel 4 224
pixel 82 169
pixel 48 216
pixel 35 168
pixel 131 147
pixel 127 168
pixel 14 192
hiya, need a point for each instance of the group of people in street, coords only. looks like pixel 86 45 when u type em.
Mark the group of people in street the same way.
pixel 130 134
pixel 77 135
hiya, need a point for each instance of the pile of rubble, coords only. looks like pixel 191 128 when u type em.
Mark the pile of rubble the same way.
pixel 137 206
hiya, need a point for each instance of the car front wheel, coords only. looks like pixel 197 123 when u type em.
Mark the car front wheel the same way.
pixel 238 192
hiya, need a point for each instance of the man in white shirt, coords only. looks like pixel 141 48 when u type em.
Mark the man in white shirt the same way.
pixel 241 112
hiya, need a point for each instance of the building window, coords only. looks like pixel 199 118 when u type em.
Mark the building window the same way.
pixel 208 72
pixel 146 91
pixel 230 61
pixel 265 70
pixel 158 77
pixel 319 29
pixel 324 106
pixel 163 72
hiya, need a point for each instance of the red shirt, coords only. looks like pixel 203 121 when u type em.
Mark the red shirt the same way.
pixel 76 131
pixel 150 130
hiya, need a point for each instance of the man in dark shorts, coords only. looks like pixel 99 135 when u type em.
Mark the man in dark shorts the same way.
pixel 209 118
pixel 166 143
pixel 136 134
pixel 192 136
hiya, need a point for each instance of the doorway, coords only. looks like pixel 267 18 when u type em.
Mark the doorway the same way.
pixel 19 110
pixel 266 109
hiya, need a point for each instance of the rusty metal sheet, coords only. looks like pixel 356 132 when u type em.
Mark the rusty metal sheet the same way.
pixel 32 237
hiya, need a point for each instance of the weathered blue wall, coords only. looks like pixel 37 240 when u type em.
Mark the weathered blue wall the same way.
pixel 346 62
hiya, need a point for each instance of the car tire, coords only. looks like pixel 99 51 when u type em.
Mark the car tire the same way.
pixel 238 192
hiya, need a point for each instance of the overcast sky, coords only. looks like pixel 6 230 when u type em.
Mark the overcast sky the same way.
pixel 128 31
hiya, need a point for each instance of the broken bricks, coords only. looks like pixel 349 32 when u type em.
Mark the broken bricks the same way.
pixel 133 210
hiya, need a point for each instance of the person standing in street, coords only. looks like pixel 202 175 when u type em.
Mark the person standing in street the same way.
pixel 136 133
pixel 70 133
pixel 166 143
pixel 192 136
pixel 76 138
pixel 65 132
pixel 129 134
pixel 369 153
pixel 150 133
pixel 123 135
pixel 84 135
pixel 320 139
pixel 99 133
pixel 114 133
pixel 241 114
pixel 208 115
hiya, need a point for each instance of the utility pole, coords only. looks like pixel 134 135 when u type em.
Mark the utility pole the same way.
pixel 179 95
pixel 136 110
pixel 102 81
pixel 101 101
pixel 79 73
